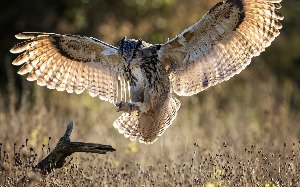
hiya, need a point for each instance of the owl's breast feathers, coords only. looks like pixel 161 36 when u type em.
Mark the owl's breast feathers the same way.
pixel 156 79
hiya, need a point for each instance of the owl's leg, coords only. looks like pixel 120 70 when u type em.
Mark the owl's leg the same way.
pixel 128 107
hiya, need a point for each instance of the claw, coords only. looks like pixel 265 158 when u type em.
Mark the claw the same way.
pixel 128 107
pixel 131 106
pixel 119 105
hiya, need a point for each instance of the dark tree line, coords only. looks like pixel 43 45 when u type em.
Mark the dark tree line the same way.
pixel 154 20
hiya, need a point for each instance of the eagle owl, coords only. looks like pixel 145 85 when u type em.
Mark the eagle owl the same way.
pixel 141 78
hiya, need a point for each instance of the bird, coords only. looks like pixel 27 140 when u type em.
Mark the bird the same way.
pixel 143 79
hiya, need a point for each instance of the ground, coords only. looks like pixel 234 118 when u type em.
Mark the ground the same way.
pixel 244 132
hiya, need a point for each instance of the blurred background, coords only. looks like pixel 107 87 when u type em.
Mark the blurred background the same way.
pixel 261 105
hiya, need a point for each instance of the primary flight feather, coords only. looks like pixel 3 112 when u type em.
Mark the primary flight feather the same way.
pixel 140 78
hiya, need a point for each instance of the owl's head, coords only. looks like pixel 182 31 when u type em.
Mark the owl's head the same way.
pixel 128 48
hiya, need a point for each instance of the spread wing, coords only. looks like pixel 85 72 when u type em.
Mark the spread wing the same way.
pixel 221 44
pixel 70 62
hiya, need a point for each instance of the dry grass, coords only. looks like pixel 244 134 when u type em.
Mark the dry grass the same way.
pixel 253 166
pixel 244 132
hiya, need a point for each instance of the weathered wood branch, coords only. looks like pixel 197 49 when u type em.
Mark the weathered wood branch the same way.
pixel 64 148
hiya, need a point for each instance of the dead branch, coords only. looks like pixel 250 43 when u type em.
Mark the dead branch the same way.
pixel 64 148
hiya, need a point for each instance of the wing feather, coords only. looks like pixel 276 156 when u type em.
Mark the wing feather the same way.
pixel 70 62
pixel 221 44
pixel 72 78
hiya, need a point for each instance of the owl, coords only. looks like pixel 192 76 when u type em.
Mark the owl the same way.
pixel 142 79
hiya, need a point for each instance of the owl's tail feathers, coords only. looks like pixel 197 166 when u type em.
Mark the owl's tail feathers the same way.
pixel 147 127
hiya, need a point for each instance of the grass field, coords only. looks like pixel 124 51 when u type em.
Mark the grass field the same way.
pixel 244 132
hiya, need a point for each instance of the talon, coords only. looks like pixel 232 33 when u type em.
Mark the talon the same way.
pixel 131 106
pixel 119 105
pixel 128 107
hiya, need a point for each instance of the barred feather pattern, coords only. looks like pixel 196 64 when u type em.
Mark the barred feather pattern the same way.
pixel 71 63
pixel 221 44
pixel 215 48
pixel 147 127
